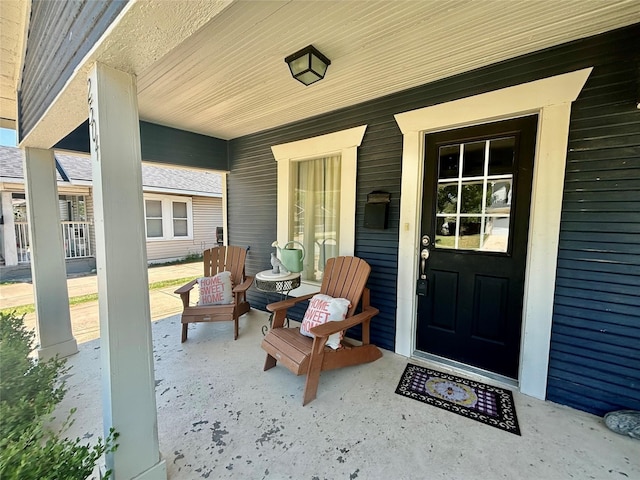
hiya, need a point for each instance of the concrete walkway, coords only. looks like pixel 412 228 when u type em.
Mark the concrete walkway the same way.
pixel 84 316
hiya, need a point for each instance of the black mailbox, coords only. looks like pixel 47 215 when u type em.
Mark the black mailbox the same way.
pixel 376 210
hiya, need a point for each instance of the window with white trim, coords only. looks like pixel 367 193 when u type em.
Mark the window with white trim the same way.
pixel 315 212
pixel 168 217
pixel 317 198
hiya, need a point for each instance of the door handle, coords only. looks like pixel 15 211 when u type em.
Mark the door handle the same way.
pixel 422 285
pixel 424 256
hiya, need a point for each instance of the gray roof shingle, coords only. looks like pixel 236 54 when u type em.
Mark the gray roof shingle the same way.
pixel 78 169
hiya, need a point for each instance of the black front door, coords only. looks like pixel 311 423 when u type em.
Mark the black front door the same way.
pixel 475 219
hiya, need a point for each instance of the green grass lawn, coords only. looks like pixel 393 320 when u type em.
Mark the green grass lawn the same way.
pixel 92 297
pixel 470 242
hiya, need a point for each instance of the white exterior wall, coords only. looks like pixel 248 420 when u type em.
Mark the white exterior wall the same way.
pixel 207 215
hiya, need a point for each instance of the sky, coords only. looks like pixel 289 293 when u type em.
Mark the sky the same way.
pixel 7 137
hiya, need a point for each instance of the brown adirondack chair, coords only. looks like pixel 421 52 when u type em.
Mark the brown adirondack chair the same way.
pixel 216 260
pixel 344 277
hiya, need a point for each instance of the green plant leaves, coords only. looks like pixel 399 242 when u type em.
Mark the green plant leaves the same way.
pixel 29 392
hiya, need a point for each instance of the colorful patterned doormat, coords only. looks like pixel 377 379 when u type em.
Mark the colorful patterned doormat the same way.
pixel 487 404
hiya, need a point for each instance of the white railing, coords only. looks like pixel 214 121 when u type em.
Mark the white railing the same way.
pixel 22 242
pixel 75 235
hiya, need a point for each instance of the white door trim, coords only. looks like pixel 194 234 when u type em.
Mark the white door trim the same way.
pixel 551 99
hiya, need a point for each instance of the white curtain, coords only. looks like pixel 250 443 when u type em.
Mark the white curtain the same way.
pixel 316 212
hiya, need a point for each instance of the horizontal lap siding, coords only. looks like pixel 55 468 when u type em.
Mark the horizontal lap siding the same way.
pixel 60 35
pixel 251 192
pixel 207 215
pixel 595 340
pixel 595 346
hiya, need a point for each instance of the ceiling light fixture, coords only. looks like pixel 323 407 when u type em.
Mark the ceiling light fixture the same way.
pixel 308 65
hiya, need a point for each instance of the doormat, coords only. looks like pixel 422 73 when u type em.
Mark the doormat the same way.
pixel 485 403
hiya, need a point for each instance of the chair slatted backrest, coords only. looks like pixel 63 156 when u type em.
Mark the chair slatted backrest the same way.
pixel 345 277
pixel 231 259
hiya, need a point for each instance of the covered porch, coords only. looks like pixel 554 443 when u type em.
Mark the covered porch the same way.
pixel 145 79
pixel 221 416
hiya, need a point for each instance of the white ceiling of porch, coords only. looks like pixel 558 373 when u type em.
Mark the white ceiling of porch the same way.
pixel 230 79
pixel 218 68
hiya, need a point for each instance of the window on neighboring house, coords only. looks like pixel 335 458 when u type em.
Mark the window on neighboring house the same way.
pixel 180 219
pixel 168 217
pixel 153 210
pixel 72 208
pixel 316 198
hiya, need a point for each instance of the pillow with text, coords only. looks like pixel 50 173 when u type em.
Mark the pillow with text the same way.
pixel 323 308
pixel 216 290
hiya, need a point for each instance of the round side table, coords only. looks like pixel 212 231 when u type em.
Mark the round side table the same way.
pixel 278 283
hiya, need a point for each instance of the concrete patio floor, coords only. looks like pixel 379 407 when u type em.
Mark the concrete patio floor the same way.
pixel 221 416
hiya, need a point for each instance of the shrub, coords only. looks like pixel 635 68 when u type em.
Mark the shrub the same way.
pixel 29 393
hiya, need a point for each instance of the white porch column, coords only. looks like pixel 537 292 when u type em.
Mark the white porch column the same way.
pixel 128 383
pixel 48 269
pixel 10 251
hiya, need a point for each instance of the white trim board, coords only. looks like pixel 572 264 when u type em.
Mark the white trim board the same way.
pixel 177 191
pixel 550 98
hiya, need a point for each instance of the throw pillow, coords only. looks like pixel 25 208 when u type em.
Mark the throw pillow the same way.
pixel 216 290
pixel 323 308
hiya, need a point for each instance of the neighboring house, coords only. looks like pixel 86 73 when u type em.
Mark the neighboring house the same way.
pixel 183 209
pixel 507 135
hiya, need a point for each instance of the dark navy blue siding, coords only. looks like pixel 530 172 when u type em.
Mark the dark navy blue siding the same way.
pixel 595 349
pixel 178 147
pixel 165 145
pixel 595 359
pixel 60 34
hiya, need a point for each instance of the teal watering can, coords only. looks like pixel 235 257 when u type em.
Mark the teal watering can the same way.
pixel 292 257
